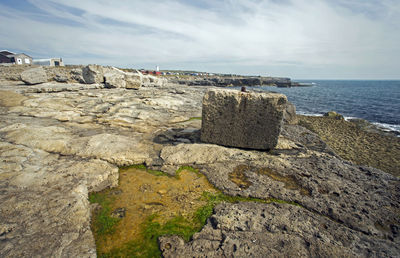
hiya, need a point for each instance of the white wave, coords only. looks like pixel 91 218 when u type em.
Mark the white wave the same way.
pixel 308 114
pixel 347 118
pixel 387 127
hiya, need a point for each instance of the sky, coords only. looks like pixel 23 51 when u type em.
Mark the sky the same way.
pixel 300 39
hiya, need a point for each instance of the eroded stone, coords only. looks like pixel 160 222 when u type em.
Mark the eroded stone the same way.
pixel 242 119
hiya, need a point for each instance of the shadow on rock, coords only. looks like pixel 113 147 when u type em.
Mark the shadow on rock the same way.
pixel 176 136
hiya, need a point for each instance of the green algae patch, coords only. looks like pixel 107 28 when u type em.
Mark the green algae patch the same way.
pixel 103 223
pixel 154 204
pixel 146 244
pixel 143 167
pixel 194 118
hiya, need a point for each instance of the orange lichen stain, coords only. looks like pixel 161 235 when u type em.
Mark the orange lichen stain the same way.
pixel 290 181
pixel 143 194
pixel 238 176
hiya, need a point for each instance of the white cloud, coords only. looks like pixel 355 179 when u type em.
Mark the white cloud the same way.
pixel 297 38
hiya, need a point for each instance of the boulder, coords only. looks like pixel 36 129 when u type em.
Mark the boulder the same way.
pixel 289 115
pixel 153 81
pixel 76 74
pixel 333 114
pixel 93 74
pixel 242 119
pixel 34 76
pixel 114 79
pixel 133 80
pixel 60 78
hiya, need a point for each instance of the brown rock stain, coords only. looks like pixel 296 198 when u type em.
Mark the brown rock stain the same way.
pixel 290 181
pixel 239 177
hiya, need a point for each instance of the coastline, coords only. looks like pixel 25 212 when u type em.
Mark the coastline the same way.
pixel 63 141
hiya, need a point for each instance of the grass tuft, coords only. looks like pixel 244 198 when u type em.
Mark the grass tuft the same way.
pixel 143 167
pixel 103 223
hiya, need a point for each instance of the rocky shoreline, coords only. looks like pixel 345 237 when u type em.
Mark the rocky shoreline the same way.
pixel 232 81
pixel 61 141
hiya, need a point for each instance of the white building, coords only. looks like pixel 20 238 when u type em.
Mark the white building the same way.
pixel 49 62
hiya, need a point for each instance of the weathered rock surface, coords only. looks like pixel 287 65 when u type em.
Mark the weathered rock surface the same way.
pixel 345 197
pixel 44 207
pixel 34 76
pixel 242 119
pixel 61 141
pixel 274 230
pixel 93 74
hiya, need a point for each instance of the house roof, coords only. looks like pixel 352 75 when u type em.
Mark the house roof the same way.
pixel 6 53
pixel 21 54
pixel 4 58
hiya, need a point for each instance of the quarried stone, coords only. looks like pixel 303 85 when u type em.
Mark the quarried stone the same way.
pixel 242 119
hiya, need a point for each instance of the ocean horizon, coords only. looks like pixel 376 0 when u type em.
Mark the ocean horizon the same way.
pixel 377 101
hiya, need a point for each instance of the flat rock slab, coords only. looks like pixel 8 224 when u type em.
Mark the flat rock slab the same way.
pixel 242 119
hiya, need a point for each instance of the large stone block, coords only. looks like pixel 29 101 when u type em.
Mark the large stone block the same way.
pixel 34 76
pixel 242 119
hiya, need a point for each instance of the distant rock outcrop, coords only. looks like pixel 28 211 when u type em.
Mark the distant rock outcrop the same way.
pixel 335 115
pixel 34 76
pixel 236 81
pixel 242 119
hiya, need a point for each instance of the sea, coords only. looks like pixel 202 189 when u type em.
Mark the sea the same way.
pixel 375 101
